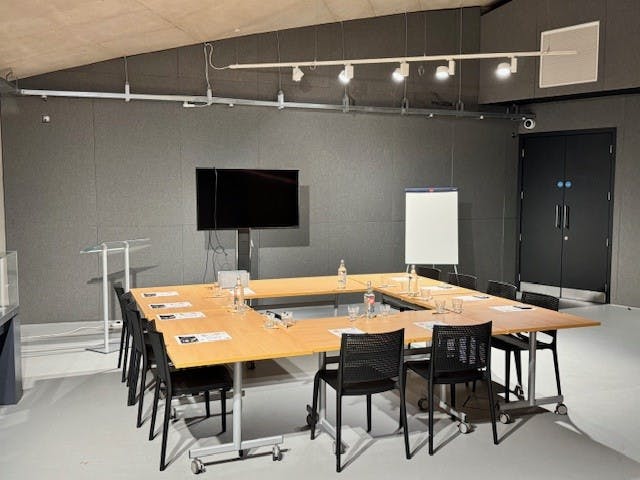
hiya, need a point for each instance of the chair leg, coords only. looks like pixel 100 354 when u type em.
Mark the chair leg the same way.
pixel 154 412
pixel 452 390
pixel 132 357
pixel 517 355
pixel 165 429
pixel 338 430
pixel 507 374
pixel 126 352
pixel 404 387
pixel 123 334
pixel 134 370
pixel 403 414
pixel 492 410
pixel 223 409
pixel 431 418
pixel 314 405
pixel 368 413
pixel 207 404
pixel 143 380
pixel 555 364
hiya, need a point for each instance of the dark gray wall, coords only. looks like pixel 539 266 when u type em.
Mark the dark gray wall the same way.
pixel 623 113
pixel 517 26
pixel 104 170
pixel 107 170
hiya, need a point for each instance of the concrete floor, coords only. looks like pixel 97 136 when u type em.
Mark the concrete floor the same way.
pixel 73 423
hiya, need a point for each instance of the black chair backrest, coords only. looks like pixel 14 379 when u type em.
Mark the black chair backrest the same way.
pixel 541 300
pixel 458 348
pixel 370 356
pixel 119 294
pixel 156 339
pixel 135 324
pixel 462 280
pixel 502 289
pixel 428 272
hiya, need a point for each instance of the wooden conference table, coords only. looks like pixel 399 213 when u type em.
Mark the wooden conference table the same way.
pixel 242 337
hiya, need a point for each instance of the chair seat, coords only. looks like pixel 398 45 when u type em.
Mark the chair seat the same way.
pixel 362 388
pixel 422 368
pixel 512 343
pixel 199 379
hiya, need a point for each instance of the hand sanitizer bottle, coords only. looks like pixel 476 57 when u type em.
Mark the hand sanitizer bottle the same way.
pixel 342 275
pixel 369 302
pixel 238 296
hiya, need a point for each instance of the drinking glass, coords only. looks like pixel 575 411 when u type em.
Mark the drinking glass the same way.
pixel 457 305
pixel 385 309
pixel 425 293
pixel 270 320
pixel 287 319
pixel 440 303
pixel 353 311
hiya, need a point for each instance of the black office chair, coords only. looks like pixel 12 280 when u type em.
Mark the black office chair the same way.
pixel 188 381
pixel 125 334
pixel 462 280
pixel 502 289
pixel 368 364
pixel 428 272
pixel 459 354
pixel 520 342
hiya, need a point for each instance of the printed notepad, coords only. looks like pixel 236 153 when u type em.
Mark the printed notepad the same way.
pixel 180 315
pixel 202 337
pixel 160 294
pixel 428 325
pixel 338 332
pixel 171 305
pixel 472 298
pixel 513 308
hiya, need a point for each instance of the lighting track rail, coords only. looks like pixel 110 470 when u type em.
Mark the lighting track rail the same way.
pixel 201 100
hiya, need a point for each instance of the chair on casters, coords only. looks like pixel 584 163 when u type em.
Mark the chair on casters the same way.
pixel 188 381
pixel 462 280
pixel 368 364
pixel 429 272
pixel 520 342
pixel 125 334
pixel 459 354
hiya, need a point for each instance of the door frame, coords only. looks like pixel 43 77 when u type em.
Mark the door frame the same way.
pixel 565 133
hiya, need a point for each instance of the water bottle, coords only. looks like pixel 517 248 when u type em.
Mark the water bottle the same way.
pixel 369 301
pixel 342 275
pixel 414 285
pixel 238 296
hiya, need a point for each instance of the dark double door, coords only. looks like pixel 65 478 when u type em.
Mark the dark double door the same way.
pixel 565 215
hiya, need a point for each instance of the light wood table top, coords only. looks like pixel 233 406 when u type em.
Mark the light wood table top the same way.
pixel 250 340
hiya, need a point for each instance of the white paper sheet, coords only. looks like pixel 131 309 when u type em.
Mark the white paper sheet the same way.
pixel 428 325
pixel 247 291
pixel 180 315
pixel 202 337
pixel 472 298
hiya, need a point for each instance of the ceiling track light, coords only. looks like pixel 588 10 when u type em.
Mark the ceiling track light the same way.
pixel 297 74
pixel 400 73
pixel 346 74
pixel 445 71
pixel 505 69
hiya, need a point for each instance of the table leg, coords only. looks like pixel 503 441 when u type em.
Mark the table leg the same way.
pixel 237 444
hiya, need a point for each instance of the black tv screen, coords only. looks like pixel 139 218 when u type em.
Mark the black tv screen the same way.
pixel 243 198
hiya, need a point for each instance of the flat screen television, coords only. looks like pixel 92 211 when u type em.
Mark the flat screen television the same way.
pixel 245 198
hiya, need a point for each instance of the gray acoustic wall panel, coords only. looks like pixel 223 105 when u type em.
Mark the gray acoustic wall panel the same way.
pixel 621 113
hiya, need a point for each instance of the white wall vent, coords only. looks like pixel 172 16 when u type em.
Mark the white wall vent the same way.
pixel 561 70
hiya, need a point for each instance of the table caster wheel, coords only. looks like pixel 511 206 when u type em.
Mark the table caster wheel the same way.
pixel 311 421
pixel 276 454
pixel 464 428
pixel 423 404
pixel 519 392
pixel 174 414
pixel 241 453
pixel 197 466
pixel 505 417
pixel 561 409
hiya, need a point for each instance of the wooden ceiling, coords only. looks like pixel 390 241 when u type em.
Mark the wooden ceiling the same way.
pixel 38 36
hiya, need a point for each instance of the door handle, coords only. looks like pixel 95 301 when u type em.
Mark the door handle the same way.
pixel 566 216
pixel 557 222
